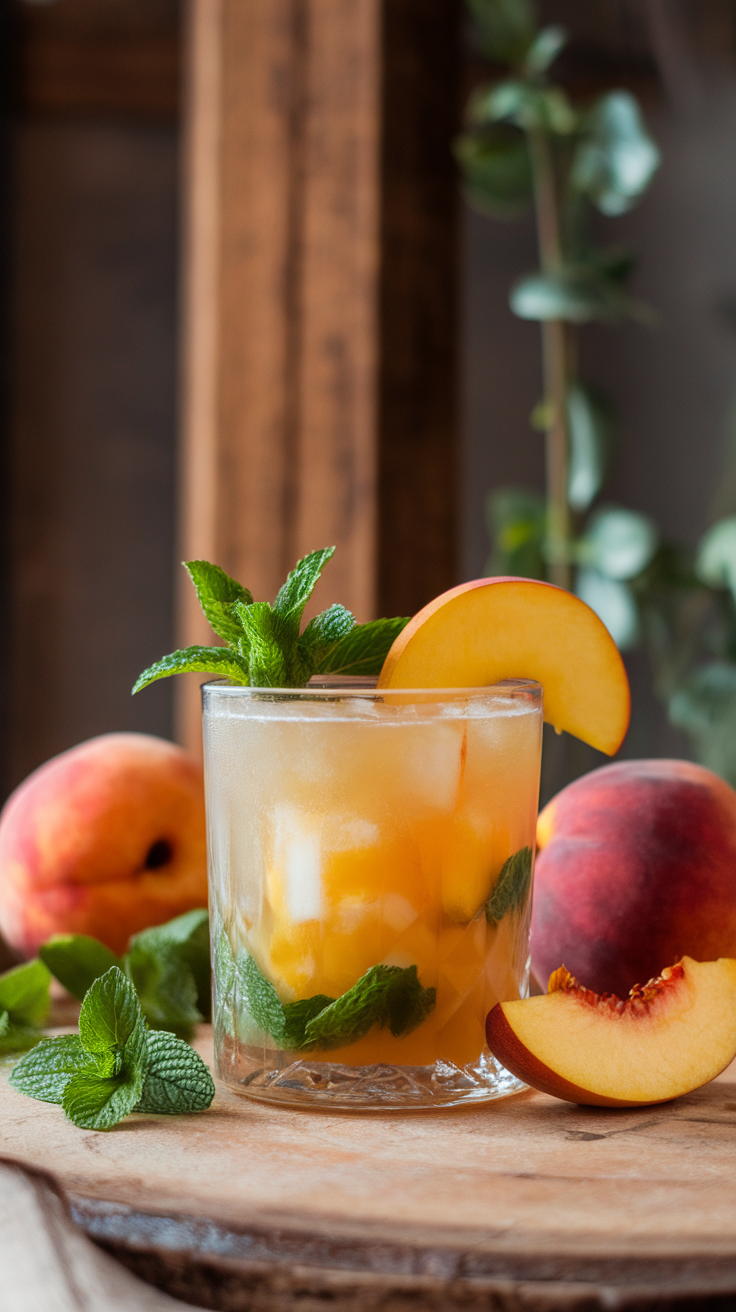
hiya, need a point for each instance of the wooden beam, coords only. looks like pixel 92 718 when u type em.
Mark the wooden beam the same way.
pixel 319 133
pixel 279 452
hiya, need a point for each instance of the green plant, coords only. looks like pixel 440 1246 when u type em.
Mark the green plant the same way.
pixel 527 145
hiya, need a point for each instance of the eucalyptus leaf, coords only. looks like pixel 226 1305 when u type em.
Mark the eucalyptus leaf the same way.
pixel 613 603
pixel 497 171
pixel 591 423
pixel 577 293
pixel 505 28
pixel 544 49
pixel 618 543
pixel 616 158
pixel 715 563
pixel 529 107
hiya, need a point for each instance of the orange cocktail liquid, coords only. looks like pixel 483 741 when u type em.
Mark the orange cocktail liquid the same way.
pixel 350 831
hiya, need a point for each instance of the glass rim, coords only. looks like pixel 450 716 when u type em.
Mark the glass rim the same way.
pixel 363 687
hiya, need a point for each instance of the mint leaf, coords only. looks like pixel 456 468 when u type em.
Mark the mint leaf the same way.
pixel 185 941
pixel 363 650
pixel 322 635
pixel 24 994
pixel 261 999
pixel 293 596
pixel 165 986
pixel 177 1080
pixel 77 960
pixel 226 978
pixel 94 1103
pixel 19 1038
pixel 268 646
pixel 217 592
pixel 203 660
pixel 101 1094
pixel 511 889
pixel 110 1013
pixel 385 995
pixel 45 1072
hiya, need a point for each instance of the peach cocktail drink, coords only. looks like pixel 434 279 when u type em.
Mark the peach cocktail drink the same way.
pixel 370 859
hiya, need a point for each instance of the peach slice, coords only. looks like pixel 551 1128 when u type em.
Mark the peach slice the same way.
pixel 669 1036
pixel 507 628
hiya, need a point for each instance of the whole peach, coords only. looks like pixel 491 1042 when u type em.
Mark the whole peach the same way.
pixel 105 839
pixel 636 868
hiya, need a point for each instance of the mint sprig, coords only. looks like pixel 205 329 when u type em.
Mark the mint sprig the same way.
pixel 116 1065
pixel 389 996
pixel 24 1006
pixel 511 889
pixel 264 646
pixel 169 966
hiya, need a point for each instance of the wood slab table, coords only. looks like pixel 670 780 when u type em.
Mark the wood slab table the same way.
pixel 527 1202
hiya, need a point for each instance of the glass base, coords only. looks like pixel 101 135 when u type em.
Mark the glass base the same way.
pixel 325 1084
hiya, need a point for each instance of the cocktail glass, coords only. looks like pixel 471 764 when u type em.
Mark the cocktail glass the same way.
pixel 370 865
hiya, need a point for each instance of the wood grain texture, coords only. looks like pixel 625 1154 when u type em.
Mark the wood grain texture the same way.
pixel 48 1262
pixel 529 1202
pixel 281 303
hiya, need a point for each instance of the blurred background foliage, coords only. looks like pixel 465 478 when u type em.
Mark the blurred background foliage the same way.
pixel 529 146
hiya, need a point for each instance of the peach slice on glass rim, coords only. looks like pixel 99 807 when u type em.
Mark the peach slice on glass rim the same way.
pixel 508 628
pixel 667 1038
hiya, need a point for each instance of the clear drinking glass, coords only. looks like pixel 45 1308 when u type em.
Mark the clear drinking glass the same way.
pixel 370 863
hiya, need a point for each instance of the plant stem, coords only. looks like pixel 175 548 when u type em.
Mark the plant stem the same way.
pixel 555 359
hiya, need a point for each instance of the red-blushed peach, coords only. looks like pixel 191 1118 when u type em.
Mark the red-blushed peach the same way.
pixel 636 868
pixel 667 1038
pixel 105 839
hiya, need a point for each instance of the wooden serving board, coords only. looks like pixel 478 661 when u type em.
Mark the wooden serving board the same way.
pixel 523 1202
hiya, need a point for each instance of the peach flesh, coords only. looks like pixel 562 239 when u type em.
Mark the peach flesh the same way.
pixel 636 866
pixel 105 839
pixel 509 628
pixel 667 1038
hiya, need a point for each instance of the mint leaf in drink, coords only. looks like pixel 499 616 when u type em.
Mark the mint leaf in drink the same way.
pixel 385 995
pixel 77 960
pixel 293 596
pixel 264 647
pixel 201 660
pixel 363 649
pixel 511 889
pixel 261 999
pixel 110 1013
pixel 177 1080
pixel 45 1071
pixel 217 592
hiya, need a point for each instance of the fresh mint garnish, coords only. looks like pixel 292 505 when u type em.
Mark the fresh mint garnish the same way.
pixel 116 1065
pixel 384 995
pixel 264 647
pixel 169 965
pixel 511 889
pixel 177 1079
pixel 77 960
pixel 24 1005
